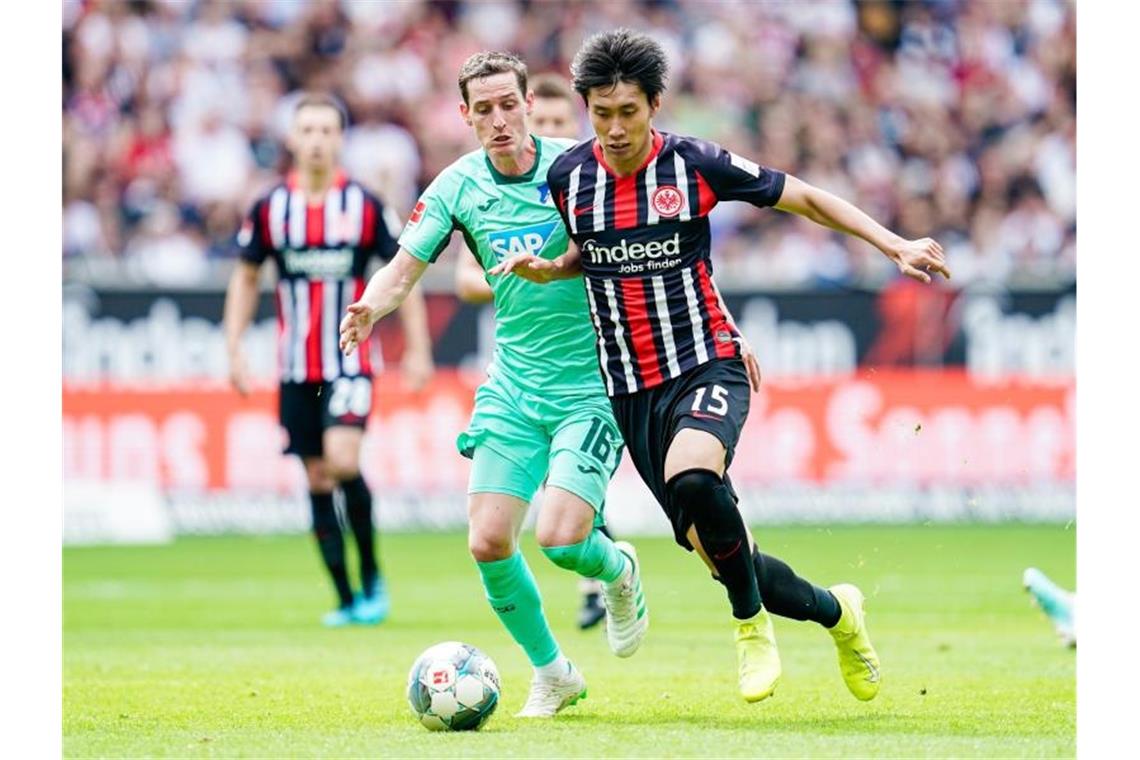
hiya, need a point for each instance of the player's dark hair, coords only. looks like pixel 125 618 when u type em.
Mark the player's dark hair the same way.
pixel 323 100
pixel 488 63
pixel 621 55
pixel 551 86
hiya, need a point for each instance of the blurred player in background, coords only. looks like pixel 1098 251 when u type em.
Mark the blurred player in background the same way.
pixel 542 413
pixel 636 203
pixel 321 229
pixel 1059 605
pixel 555 114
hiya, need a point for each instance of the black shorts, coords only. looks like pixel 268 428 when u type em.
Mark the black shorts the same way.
pixel 713 397
pixel 308 409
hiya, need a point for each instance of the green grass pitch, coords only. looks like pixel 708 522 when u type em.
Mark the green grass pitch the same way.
pixel 211 647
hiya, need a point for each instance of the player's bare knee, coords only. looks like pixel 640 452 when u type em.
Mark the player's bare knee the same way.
pixel 487 546
pixel 317 473
pixel 341 468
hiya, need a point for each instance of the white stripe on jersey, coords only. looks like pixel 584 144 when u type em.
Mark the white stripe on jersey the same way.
pixel 334 214
pixel 603 358
pixel 619 336
pixel 277 203
pixel 666 326
pixel 742 163
pixel 572 198
pixel 354 211
pixel 297 219
pixel 652 216
pixel 285 339
pixel 351 363
pixel 392 222
pixel 301 309
pixel 682 186
pixel 600 202
pixel 695 317
pixel 330 329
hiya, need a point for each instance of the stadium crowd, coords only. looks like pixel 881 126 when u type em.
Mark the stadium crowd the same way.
pixel 949 118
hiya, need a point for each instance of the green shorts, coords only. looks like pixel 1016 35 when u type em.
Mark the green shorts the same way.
pixel 517 440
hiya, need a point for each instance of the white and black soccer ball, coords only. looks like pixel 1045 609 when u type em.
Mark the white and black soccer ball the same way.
pixel 453 687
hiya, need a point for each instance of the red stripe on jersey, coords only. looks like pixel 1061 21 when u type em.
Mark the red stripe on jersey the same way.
pixel 368 225
pixel 706 196
pixel 266 237
pixel 640 331
pixel 366 349
pixel 718 323
pixel 315 226
pixel 313 339
pixel 625 202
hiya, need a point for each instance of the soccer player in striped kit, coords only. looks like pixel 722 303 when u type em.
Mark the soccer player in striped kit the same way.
pixel 321 229
pixel 636 203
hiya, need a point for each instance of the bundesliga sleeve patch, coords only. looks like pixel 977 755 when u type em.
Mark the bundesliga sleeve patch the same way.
pixel 417 213
pixel 245 234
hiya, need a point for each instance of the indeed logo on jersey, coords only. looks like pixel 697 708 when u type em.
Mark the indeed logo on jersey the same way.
pixel 636 257
pixel 319 262
pixel 530 240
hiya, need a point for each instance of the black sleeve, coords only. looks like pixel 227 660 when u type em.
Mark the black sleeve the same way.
pixel 253 239
pixel 733 177
pixel 386 229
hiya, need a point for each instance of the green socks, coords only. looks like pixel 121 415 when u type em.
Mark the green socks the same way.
pixel 514 596
pixel 596 557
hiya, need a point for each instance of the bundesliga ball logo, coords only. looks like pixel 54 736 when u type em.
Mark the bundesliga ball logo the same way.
pixel 667 201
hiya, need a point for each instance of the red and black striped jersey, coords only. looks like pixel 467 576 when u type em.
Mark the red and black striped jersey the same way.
pixel 645 252
pixel 322 248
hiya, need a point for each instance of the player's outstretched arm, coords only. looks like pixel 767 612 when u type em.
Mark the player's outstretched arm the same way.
pixel 470 283
pixel 914 258
pixel 241 302
pixel 417 365
pixel 386 290
pixel 539 270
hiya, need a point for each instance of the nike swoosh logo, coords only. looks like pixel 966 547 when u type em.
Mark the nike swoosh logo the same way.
pixel 874 677
pixel 583 210
pixel 704 416
pixel 591 470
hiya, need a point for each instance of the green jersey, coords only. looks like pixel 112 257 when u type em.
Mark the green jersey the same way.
pixel 543 336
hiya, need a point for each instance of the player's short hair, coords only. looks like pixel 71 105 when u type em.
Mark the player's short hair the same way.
pixel 621 55
pixel 488 63
pixel 322 100
pixel 551 86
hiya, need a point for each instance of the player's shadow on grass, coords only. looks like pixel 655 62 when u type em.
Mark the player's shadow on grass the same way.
pixel 755 721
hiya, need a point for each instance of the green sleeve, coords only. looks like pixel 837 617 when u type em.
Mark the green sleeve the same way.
pixel 431 222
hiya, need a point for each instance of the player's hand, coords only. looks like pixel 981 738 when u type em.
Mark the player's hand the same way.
pixel 527 266
pixel 921 258
pixel 355 327
pixel 417 368
pixel 751 363
pixel 239 373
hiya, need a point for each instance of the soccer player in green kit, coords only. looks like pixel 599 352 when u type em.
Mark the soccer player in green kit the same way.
pixel 543 412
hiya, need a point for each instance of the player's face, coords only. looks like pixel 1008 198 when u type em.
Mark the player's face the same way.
pixel 315 139
pixel 555 117
pixel 621 117
pixel 498 111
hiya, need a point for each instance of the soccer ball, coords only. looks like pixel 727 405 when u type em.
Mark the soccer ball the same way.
pixel 453 687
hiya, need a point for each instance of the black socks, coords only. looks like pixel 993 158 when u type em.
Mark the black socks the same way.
pixel 326 529
pixel 704 497
pixel 788 595
pixel 358 506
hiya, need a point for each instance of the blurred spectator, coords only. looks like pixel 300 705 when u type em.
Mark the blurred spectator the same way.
pixel 949 118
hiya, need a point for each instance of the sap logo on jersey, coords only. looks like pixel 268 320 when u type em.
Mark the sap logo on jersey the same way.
pixel 530 240
pixel 636 257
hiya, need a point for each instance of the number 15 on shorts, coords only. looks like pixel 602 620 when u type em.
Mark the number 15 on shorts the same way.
pixel 711 399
